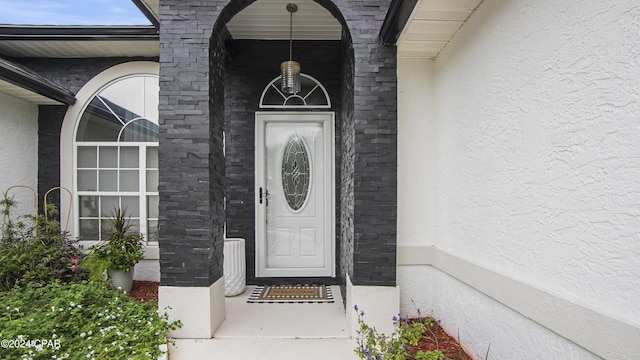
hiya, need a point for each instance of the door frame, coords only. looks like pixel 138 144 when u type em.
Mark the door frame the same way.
pixel 327 118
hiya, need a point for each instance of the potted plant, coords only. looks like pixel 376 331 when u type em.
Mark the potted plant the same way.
pixel 118 254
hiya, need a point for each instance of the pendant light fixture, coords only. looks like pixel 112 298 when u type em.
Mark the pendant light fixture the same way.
pixel 290 69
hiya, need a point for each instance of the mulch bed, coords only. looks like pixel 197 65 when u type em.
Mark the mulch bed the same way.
pixel 435 339
pixel 144 291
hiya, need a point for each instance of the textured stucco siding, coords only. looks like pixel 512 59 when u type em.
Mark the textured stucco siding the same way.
pixel 529 166
pixel 481 323
pixel 19 155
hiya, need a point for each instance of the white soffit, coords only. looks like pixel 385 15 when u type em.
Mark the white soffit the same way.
pixel 21 93
pixel 153 6
pixel 269 20
pixel 432 24
pixel 75 49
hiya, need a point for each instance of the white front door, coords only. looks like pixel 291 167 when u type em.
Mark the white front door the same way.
pixel 294 194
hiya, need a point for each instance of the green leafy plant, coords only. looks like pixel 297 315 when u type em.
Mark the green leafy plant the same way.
pixel 80 321
pixel 121 251
pixel 18 228
pixel 430 355
pixel 35 250
pixel 373 345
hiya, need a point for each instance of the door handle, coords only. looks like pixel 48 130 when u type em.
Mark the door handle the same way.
pixel 264 196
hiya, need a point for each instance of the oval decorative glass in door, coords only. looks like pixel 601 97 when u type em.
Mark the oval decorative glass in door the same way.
pixel 295 172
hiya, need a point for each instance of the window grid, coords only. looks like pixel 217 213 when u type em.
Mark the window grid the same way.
pixel 146 196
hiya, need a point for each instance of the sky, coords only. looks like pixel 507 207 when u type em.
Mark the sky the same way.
pixel 71 12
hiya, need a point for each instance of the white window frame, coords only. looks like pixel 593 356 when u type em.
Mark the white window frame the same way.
pixel 142 194
pixel 68 144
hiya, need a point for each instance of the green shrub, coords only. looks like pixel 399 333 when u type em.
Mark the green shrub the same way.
pixel 79 321
pixel 121 251
pixel 35 250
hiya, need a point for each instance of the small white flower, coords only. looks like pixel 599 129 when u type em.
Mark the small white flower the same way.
pixel 83 335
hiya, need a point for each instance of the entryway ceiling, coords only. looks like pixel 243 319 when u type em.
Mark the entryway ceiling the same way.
pixel 269 20
pixel 431 26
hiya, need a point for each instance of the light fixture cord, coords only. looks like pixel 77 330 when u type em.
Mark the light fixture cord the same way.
pixel 290 36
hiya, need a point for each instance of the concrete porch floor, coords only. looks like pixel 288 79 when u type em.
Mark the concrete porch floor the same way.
pixel 274 332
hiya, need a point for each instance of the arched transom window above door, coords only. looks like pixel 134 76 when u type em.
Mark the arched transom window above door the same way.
pixel 116 157
pixel 312 95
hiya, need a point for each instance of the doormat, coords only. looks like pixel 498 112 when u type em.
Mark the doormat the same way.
pixel 282 294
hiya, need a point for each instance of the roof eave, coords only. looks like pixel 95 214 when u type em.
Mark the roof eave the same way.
pixel 396 20
pixel 147 12
pixel 78 33
pixel 34 83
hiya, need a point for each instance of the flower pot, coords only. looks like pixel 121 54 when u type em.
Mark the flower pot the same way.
pixel 121 280
pixel 234 267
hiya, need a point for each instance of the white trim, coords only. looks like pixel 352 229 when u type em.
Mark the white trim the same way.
pixel 328 121
pixel 68 130
pixel 597 332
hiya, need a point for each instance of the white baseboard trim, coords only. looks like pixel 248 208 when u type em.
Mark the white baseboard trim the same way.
pixel 604 335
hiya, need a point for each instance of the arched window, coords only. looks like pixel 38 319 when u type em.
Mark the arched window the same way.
pixel 311 95
pixel 116 157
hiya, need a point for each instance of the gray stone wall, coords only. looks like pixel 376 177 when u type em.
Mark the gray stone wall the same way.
pixel 375 162
pixel 73 74
pixel 50 118
pixel 191 173
pixel 192 84
pixel 369 146
pixel 347 149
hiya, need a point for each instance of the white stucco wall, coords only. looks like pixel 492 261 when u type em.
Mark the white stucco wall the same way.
pixel 18 150
pixel 532 149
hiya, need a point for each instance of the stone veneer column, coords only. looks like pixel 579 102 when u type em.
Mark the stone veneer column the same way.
pixel 369 163
pixel 191 167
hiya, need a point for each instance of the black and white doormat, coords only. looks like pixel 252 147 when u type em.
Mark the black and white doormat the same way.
pixel 291 294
